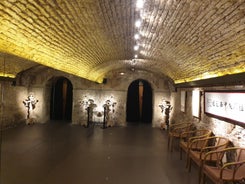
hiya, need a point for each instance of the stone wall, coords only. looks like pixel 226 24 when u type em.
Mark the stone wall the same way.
pixel 235 132
pixel 100 97
pixel 12 109
pixel 115 89
pixel 40 84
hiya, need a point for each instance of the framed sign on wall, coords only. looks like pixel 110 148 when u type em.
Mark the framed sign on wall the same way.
pixel 182 101
pixel 227 105
pixel 196 103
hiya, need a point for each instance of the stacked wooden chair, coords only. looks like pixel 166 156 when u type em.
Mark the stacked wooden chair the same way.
pixel 175 132
pixel 186 138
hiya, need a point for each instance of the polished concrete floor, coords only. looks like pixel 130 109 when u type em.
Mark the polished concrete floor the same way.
pixel 58 153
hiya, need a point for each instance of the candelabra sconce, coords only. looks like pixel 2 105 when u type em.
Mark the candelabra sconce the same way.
pixel 166 108
pixel 90 110
pixel 89 106
pixel 30 104
pixel 106 116
pixel 108 107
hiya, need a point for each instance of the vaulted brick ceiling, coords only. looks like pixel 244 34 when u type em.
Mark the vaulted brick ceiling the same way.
pixel 182 39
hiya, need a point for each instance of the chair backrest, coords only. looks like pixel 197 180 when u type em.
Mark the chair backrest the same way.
pixel 188 127
pixel 241 158
pixel 211 143
pixel 230 164
pixel 221 143
pixel 241 154
pixel 236 155
pixel 181 128
pixel 200 134
pixel 174 125
pixel 196 134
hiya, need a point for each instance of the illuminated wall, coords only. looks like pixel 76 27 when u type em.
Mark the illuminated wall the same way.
pixel 40 85
pixel 116 90
pixel 117 117
pixel 235 132
pixel 12 109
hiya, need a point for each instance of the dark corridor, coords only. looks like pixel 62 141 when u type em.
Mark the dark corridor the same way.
pixel 139 102
pixel 61 100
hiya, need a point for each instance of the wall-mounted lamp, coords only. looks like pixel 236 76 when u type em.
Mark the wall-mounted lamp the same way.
pixel 30 104
pixel 166 108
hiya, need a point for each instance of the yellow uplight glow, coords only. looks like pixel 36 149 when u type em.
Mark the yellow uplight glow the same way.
pixel 209 75
pixel 30 50
pixel 15 40
pixel 7 75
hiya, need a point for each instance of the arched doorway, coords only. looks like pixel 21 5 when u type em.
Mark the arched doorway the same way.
pixel 139 102
pixel 61 100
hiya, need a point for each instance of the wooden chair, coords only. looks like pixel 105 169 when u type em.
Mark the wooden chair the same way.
pixel 175 125
pixel 172 127
pixel 175 132
pixel 213 143
pixel 229 167
pixel 187 137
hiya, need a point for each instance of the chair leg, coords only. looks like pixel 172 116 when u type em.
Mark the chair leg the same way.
pixel 199 174
pixel 202 181
pixel 168 142
pixel 177 143
pixel 189 165
pixel 180 152
pixel 171 144
pixel 187 159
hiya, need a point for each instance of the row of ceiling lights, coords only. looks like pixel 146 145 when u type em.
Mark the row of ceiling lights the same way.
pixel 138 22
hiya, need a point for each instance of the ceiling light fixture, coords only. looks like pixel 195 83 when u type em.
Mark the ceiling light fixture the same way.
pixel 138 23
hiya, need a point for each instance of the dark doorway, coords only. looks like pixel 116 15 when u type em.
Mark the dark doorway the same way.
pixel 61 100
pixel 139 102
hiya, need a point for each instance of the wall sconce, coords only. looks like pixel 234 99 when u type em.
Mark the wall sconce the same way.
pixel 89 106
pixel 166 108
pixel 108 106
pixel 30 104
pixel 87 103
